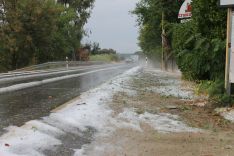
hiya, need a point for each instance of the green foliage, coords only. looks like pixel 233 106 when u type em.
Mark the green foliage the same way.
pixel 198 45
pixel 40 30
pixel 105 57
pixel 198 57
pixel 95 48
pixel 148 39
pixel 216 91
pixel 209 19
pixel 211 88
pixel 27 31
pixel 149 13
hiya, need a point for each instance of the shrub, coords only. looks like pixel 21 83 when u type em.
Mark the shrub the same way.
pixel 198 57
pixel 216 92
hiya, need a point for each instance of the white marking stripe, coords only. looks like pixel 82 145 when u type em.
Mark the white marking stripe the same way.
pixel 22 73
pixel 38 83
pixel 40 74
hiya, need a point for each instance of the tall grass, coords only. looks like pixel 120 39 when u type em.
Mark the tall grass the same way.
pixel 105 57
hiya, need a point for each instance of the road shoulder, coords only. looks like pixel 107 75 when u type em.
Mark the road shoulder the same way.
pixel 156 113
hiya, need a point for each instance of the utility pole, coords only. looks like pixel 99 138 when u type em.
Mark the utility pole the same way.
pixel 162 61
pixel 228 51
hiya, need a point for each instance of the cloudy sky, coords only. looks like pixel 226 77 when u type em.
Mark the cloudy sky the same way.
pixel 112 25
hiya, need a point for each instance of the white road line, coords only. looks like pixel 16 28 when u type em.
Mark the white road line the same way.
pixel 13 78
pixel 16 74
pixel 46 81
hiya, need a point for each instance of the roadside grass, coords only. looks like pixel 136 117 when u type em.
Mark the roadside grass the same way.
pixel 105 58
pixel 216 92
pixel 145 101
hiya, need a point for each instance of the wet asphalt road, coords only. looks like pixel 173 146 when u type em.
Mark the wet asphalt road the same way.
pixel 18 107
pixel 6 81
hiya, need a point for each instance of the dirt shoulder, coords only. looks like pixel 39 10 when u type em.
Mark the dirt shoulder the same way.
pixel 158 115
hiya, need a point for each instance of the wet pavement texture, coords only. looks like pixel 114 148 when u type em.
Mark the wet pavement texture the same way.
pixel 21 106
pixel 41 76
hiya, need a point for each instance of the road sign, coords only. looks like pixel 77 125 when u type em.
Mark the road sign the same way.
pixel 227 3
pixel 185 10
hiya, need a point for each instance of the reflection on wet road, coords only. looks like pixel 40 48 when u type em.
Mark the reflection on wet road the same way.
pixel 10 80
pixel 32 103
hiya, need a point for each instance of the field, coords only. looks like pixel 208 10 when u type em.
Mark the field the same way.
pixel 105 58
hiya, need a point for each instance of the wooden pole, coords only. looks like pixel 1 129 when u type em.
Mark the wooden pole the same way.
pixel 162 61
pixel 228 51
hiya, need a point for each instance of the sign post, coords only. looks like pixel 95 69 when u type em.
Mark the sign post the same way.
pixel 229 64
pixel 228 49
pixel 66 62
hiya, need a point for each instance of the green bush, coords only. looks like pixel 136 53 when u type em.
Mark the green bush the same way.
pixel 198 57
pixel 38 31
pixel 199 45
pixel 216 92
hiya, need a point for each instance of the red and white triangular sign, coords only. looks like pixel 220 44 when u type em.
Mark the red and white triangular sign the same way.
pixel 185 10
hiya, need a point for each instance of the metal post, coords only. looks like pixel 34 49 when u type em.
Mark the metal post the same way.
pixel 67 62
pixel 172 64
pixel 228 51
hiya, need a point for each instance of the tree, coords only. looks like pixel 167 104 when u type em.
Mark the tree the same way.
pixel 28 30
pixel 198 45
pixel 82 8
pixel 149 13
pixel 94 47
pixel 40 30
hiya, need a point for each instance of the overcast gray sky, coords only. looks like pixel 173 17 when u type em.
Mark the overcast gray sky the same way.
pixel 112 25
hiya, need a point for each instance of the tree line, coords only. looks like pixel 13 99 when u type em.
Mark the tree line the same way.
pixel 95 49
pixel 37 31
pixel 198 45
